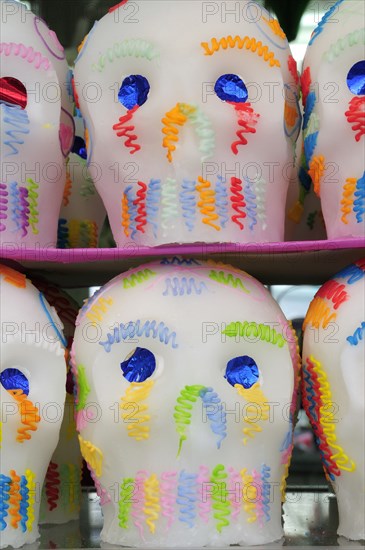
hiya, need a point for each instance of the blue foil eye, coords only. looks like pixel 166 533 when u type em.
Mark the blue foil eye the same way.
pixel 133 91
pixel 139 366
pixel 356 78
pixel 242 370
pixel 13 379
pixel 230 87
pixel 79 147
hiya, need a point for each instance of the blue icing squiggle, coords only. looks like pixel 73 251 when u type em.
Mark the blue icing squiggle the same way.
pixel 325 19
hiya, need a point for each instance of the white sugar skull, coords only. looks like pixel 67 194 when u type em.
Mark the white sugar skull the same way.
pixel 187 375
pixel 304 218
pixel 192 115
pixel 333 83
pixel 82 213
pixel 333 389
pixel 37 127
pixel 32 388
pixel 61 494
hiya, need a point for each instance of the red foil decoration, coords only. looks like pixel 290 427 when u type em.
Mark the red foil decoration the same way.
pixel 13 92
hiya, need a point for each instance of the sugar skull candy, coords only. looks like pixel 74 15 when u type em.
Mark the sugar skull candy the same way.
pixel 192 116
pixel 37 127
pixel 61 494
pixel 187 374
pixel 333 389
pixel 82 212
pixel 32 388
pixel 333 83
pixel 304 218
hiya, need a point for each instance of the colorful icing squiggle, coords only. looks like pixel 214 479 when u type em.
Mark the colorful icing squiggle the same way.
pixel 183 286
pixel 347 201
pixel 318 403
pixel 247 43
pixel 16 124
pixel 238 202
pixel 187 497
pixel 356 116
pixel 133 329
pixel 125 130
pixel 206 204
pixel 221 503
pixel 249 330
pixel 3 205
pixel 247 120
pixel 135 396
pixel 27 53
pixel 257 410
pixel 29 416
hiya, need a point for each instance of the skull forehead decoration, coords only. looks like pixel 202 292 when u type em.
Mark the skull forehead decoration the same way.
pixel 186 378
pixel 333 83
pixel 192 118
pixel 32 387
pixel 333 389
pixel 62 487
pixel 37 127
pixel 82 213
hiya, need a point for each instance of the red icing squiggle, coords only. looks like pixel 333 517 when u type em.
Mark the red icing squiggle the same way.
pixel 113 8
pixel 140 202
pixel 334 292
pixel 123 130
pixel 238 202
pixel 246 116
pixel 293 68
pixel 306 81
pixel 356 116
pixel 52 486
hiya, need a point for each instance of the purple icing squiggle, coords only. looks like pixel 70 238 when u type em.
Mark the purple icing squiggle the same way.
pixel 3 205
pixel 52 44
pixel 24 210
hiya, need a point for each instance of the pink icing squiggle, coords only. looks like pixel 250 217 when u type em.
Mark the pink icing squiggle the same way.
pixel 256 478
pixel 83 417
pixel 27 53
pixel 168 496
pixel 139 501
pixel 101 491
pixel 285 456
pixel 235 494
pixel 205 497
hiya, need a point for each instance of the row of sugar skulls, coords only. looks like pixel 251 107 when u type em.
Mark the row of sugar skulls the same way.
pixel 43 166
pixel 185 410
pixel 195 150
pixel 206 106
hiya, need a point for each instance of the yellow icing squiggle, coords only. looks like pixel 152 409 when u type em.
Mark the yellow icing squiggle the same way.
pixel 134 410
pixel 256 401
pixel 152 501
pixel 347 201
pixel 327 421
pixel 30 477
pixel 249 495
pixel 92 455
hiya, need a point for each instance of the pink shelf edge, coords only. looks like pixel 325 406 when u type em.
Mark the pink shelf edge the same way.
pixel 132 250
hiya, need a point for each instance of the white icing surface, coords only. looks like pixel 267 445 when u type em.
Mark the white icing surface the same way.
pixel 30 344
pixel 200 357
pixel 39 155
pixel 179 73
pixel 344 365
pixel 330 59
